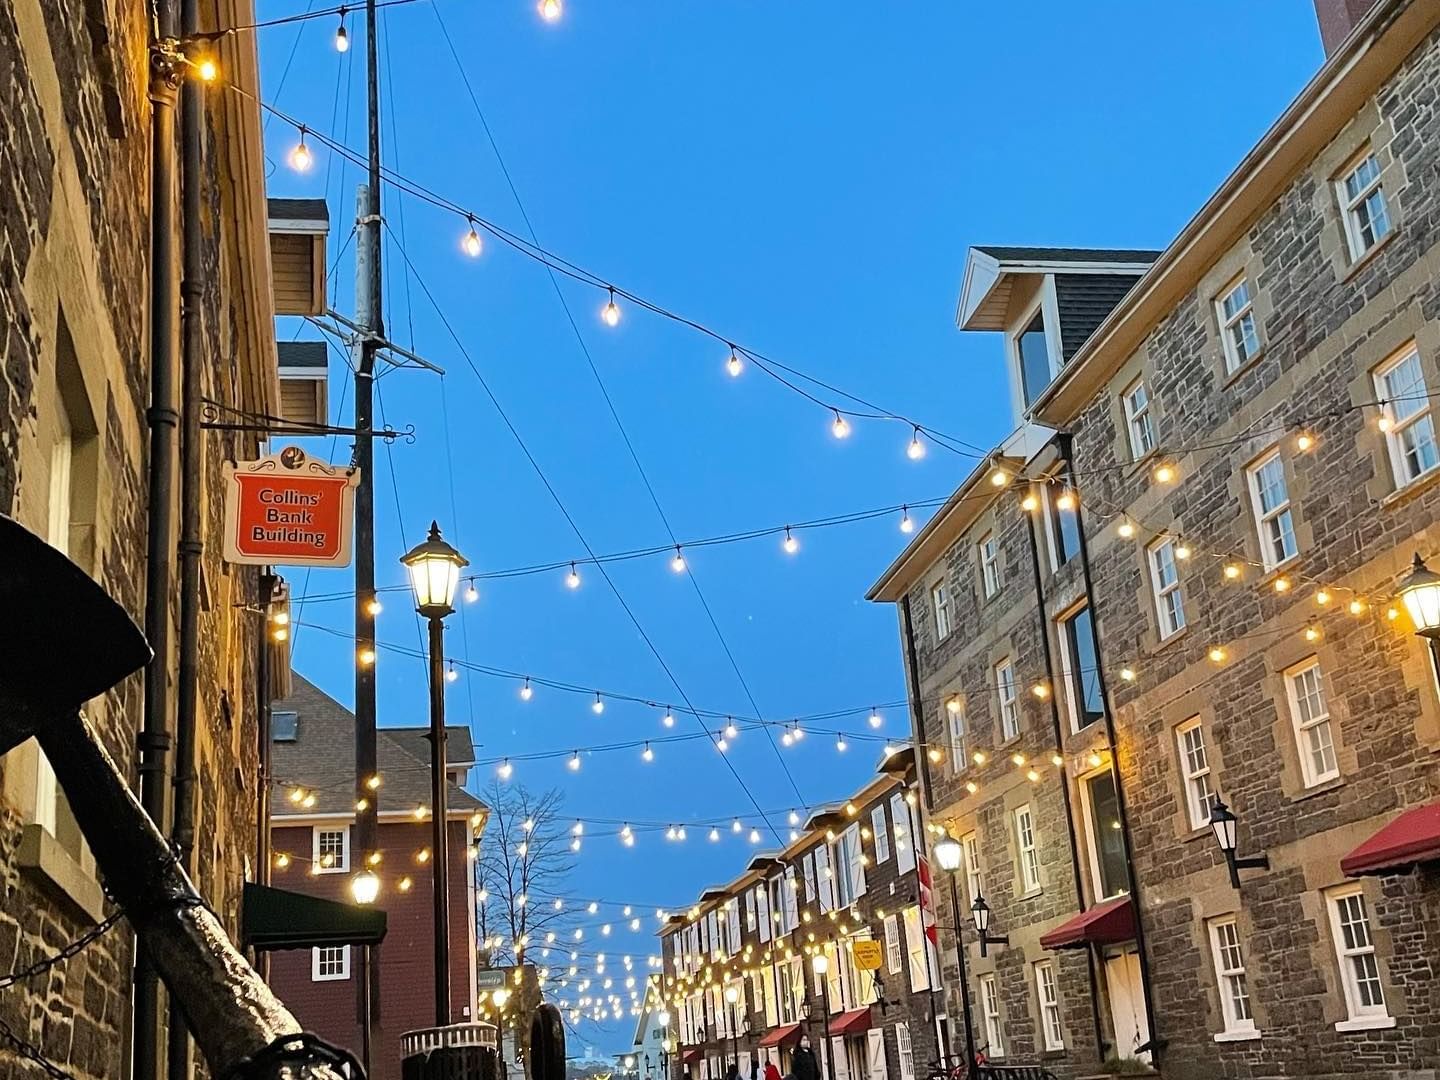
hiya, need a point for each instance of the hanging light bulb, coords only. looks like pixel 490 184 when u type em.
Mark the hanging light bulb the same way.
pixel 1127 529
pixel 526 690
pixel 916 450
pixel 300 157
pixel 754 836
pixel 840 427
pixel 647 754
pixel 1182 550
pixel 794 817
pixel 451 674
pixel 678 562
pixel 787 738
pixel 572 579
pixel 790 544
pixel 549 10
pixel 669 718
pixel 1304 441
pixel 471 592
pixel 597 706
pixel 471 242
pixel 1000 477
pixel 1067 500
pixel 840 743
pixel 1164 474
pixel 799 732
pixel 730 729
pixel 611 311
pixel 714 835
pixel 342 39
pixel 209 71
pixel 907 524
pixel 734 365
pixel 875 718
pixel 721 745
pixel 1030 502
pixel 735 825
pixel 574 762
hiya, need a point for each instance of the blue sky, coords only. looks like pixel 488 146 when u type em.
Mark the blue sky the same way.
pixel 805 179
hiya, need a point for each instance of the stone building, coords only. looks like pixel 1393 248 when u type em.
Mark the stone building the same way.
pixel 1172 591
pixel 74 392
pixel 850 873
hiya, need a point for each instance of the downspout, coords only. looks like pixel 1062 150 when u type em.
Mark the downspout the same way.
pixel 162 418
pixel 1066 444
pixel 182 830
pixel 1075 868
pixel 263 711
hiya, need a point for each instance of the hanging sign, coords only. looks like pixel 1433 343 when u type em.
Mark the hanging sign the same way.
pixel 289 510
pixel 868 955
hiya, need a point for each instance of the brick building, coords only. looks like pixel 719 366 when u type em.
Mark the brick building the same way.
pixel 75 381
pixel 848 874
pixel 313 767
pixel 1173 585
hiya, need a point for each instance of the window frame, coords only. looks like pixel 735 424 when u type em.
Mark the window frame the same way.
pixel 974 872
pixel 1228 324
pixel 1301 728
pixel 1226 975
pixel 1397 426
pixel 1075 689
pixel 1357 1012
pixel 1160 592
pixel 990 1012
pixel 1197 806
pixel 1027 849
pixel 988 550
pixel 940 610
pixel 1350 205
pixel 317 963
pixel 1007 698
pixel 957 726
pixel 1052 1026
pixel 342 864
pixel 1139 422
pixel 1047 305
pixel 1272 558
pixel 1086 783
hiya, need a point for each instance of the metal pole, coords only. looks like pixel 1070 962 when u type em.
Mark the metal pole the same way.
pixel 439 859
pixel 825 1018
pixel 262 794
pixel 365 1008
pixel 964 978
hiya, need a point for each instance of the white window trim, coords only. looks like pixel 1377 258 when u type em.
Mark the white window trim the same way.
pixel 1048 301
pixel 1353 240
pixel 942 612
pixel 1070 674
pixel 1027 856
pixel 1233 360
pixel 988 548
pixel 1137 419
pixel 1159 592
pixel 956 728
pixel 1262 518
pixel 1007 697
pixel 1049 1008
pixel 904 1051
pixel 315 975
pixel 1087 806
pixel 974 873
pixel 1393 443
pixel 1307 766
pixel 1195 813
pixel 1235 1027
pixel 343 864
pixel 1361 1017
pixel 879 833
pixel 990 1011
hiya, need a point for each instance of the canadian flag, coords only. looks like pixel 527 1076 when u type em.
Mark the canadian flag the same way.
pixel 927 899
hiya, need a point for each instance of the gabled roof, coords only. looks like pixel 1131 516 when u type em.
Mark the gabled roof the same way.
pixel 1040 255
pixel 298 215
pixel 321 759
pixel 990 274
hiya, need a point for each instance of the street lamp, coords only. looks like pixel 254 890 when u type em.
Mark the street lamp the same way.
pixel 434 569
pixel 1420 592
pixel 1224 824
pixel 821 963
pixel 949 854
pixel 732 995
pixel 981 911
pixel 365 887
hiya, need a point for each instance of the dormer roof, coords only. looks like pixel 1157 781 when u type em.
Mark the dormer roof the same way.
pixel 990 273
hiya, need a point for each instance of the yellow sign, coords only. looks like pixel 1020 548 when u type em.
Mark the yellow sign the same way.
pixel 868 955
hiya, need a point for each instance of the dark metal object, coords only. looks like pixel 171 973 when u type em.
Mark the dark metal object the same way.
pixel 451 1052
pixel 825 1016
pixel 440 855
pixel 982 926
pixel 964 974
pixel 263 709
pixel 547 1044
pixel 77 644
pixel 1225 826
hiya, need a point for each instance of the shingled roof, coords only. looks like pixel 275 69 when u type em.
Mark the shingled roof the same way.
pixel 321 758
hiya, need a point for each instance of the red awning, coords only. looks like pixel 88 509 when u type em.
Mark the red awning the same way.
pixel 691 1056
pixel 778 1036
pixel 851 1023
pixel 1413 837
pixel 1108 923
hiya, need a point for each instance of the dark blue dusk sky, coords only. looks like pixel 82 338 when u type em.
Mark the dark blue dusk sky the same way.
pixel 803 177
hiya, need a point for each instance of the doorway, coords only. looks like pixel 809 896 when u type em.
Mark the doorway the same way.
pixel 1127 1002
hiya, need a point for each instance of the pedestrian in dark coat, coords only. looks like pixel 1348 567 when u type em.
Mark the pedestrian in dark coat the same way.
pixel 803 1065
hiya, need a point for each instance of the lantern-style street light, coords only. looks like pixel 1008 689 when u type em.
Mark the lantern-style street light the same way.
pixel 981 911
pixel 949 854
pixel 1419 590
pixel 821 963
pixel 365 886
pixel 1225 826
pixel 434 569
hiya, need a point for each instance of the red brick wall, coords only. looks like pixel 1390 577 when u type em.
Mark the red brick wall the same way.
pixel 405 961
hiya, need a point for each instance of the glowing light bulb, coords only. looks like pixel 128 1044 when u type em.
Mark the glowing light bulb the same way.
pixel 597 706
pixel 1041 691
pixel 1282 584
pixel 841 744
pixel 1217 654
pixel 300 157
pixel 372 606
pixel 787 738
pixel 714 835
pixel 668 719
pixel 1127 529
pixel 574 761
pixel 366 657
pixel 1030 502
pixel 647 754
pixel 971 786
pixel 916 450
pixel 721 745
pixel 1182 551
pixel 754 836
pixel 342 39
pixel 1128 674
pixel 790 544
pixel 1164 474
pixel 678 562
pixel 794 817
pixel 1304 441
pixel 207 69
pixel 1066 501
pixel 979 757
pixel 730 729
pixel 1357 607
pixel 471 592
pixel 1033 776
pixel 840 427
pixel 907 524
pixel 952 705
pixel 1312 633
pixel 611 311
pixel 472 244
pixel 734 365
pixel 451 674
pixel 526 690
pixel 1018 760
pixel 1056 760
pixel 1232 571
pixel 1385 423
pixel 875 718
pixel 550 10
pixel 799 733
pixel 572 579
pixel 735 825
pixel 1000 477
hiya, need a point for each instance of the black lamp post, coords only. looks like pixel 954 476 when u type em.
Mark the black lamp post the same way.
pixel 821 963
pixel 981 911
pixel 434 569
pixel 731 996
pixel 949 854
pixel 1225 825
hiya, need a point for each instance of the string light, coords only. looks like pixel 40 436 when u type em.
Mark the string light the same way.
pixel 754 836
pixel 1322 597
pixel 840 427
pixel 916 450
pixel 790 544
pixel 597 706
pixel 678 562
pixel 451 674
pixel 1128 674
pixel 1217 655
pixel 731 731
pixel 1312 633
pixel 472 243
pixel 840 743
pixel 1000 477
pixel 366 656
pixel 875 718
pixel 907 525
pixel 1127 529
pixel 505 770
pixel 734 365
pixel 1066 500
pixel 1304 441
pixel 572 579
pixel 300 157
pixel 1282 584
pixel 208 70
pixel 669 718
pixel 611 311
pixel 1357 607
pixel 342 39
pixel 575 761
pixel 794 818
pixel 735 826
pixel 526 690
pixel 714 835
pixel 372 606
pixel 647 754
pixel 1164 473
pixel 1030 503
pixel 549 10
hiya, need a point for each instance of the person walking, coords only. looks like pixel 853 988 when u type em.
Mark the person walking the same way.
pixel 771 1072
pixel 803 1065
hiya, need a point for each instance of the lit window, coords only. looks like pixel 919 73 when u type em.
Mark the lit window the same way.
pixel 330 963
pixel 1107 841
pixel 332 850
pixel 1138 419
pixel 955 718
pixel 974 880
pixel 990 564
pixel 1235 308
pixel 990 1006
pixel 1048 997
pixel 1270 500
pixel 1362 200
pixel 1230 976
pixel 1009 705
pixel 1195 768
pixel 940 602
pixel 1029 850
pixel 1165 584
pixel 1410 428
pixel 1355 951
pixel 1080 657
pixel 1311 717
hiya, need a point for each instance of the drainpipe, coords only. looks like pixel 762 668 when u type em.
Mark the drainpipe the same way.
pixel 1064 779
pixel 1066 444
pixel 162 418
pixel 263 711
pixel 182 832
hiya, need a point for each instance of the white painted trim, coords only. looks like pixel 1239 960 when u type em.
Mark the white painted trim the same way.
pixel 287 820
pixel 315 975
pixel 298 225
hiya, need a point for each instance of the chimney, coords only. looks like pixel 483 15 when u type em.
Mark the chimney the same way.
pixel 1338 18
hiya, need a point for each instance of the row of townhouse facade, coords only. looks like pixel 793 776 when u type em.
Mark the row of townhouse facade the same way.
pixel 1168 598
pixel 771 956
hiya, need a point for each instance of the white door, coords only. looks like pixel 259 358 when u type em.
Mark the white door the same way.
pixel 1127 1003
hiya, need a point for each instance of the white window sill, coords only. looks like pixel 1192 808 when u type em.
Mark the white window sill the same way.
pixel 1410 488
pixel 41 857
pixel 1030 893
pixel 1236 1036
pixel 1366 1023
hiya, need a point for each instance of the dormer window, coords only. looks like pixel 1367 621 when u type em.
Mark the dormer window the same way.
pixel 1032 350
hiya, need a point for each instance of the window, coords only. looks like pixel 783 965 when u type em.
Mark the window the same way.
pixel 1029 855
pixel 974 880
pixel 955 719
pixel 940 601
pixel 1362 201
pixel 1355 950
pixel 990 1006
pixel 1270 499
pixel 1009 705
pixel 1062 516
pixel 1048 997
pixel 1230 976
pixel 990 564
pixel 900 821
pixel 1407 421
pixel 1107 841
pixel 915 950
pixel 880 832
pixel 1032 350
pixel 849 870
pixel 904 1052
pixel 1311 717
pixel 284 725
pixel 1195 769
pixel 892 944
pixel 332 850
pixel 1165 583
pixel 1235 309
pixel 750 910
pixel 1138 420
pixel 1082 668
pixel 808 867
pixel 330 963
